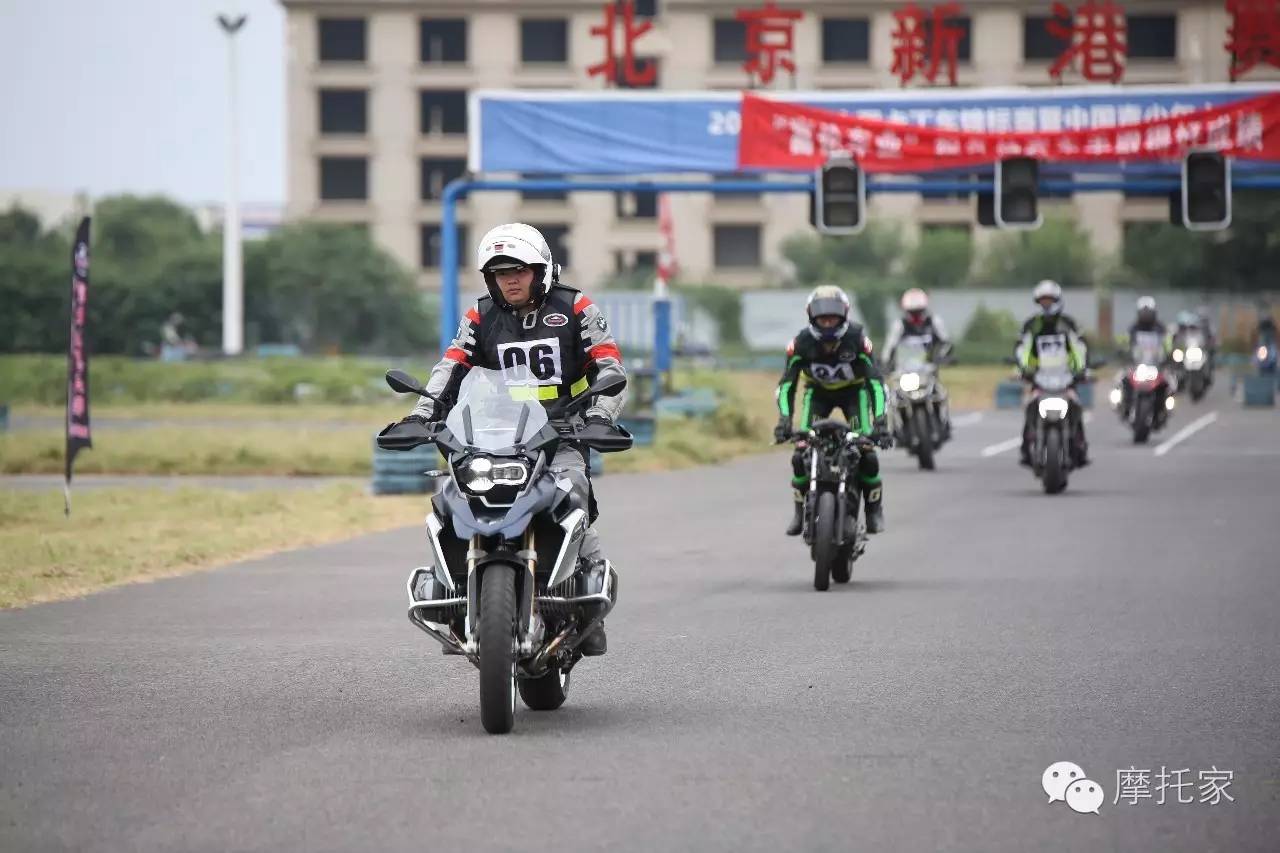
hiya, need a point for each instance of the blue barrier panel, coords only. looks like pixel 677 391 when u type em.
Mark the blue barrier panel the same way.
pixel 401 472
pixel 1260 390
pixel 1009 395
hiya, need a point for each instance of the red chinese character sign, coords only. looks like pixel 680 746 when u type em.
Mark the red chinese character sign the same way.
pixel 780 135
pixel 769 37
pixel 623 14
pixel 926 42
pixel 1254 35
pixel 1097 40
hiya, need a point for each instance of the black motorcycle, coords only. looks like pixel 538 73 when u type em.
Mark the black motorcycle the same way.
pixel 833 528
pixel 1193 369
pixel 918 402
pixel 1053 415
pixel 507 589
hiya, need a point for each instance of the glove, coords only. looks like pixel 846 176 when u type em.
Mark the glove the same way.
pixel 413 419
pixel 782 431
pixel 598 419
pixel 880 434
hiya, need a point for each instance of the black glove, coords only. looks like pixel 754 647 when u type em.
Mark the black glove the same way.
pixel 414 419
pixel 782 431
pixel 880 434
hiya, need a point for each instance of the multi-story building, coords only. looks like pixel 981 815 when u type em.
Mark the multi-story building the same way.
pixel 377 95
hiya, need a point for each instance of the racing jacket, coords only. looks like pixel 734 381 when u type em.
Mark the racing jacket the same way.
pixel 932 331
pixel 843 367
pixel 553 352
pixel 1041 334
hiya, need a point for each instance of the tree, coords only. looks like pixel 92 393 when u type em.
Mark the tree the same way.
pixel 1059 250
pixel 863 264
pixel 941 259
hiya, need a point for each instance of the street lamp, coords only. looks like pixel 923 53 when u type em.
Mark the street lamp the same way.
pixel 232 267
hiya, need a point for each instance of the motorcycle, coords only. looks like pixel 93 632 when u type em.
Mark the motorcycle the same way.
pixel 919 410
pixel 506 589
pixel 1265 357
pixel 1192 370
pixel 1053 416
pixel 833 528
pixel 1144 398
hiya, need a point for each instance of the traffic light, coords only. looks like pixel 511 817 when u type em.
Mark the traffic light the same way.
pixel 839 199
pixel 1206 191
pixel 1017 182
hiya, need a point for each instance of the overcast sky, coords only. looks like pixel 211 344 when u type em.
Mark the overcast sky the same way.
pixel 131 96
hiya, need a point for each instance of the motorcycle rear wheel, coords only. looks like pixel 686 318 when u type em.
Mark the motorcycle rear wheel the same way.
pixel 497 633
pixel 825 551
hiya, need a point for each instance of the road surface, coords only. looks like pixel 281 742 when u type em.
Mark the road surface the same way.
pixel 287 704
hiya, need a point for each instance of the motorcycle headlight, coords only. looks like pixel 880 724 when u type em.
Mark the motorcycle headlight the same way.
pixel 1145 372
pixel 909 382
pixel 1053 405
pixel 1177 356
pixel 1262 353
pixel 1195 356
pixel 1168 404
pixel 1116 396
pixel 481 473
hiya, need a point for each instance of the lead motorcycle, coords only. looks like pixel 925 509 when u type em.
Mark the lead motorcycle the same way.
pixel 1054 415
pixel 506 589
pixel 833 530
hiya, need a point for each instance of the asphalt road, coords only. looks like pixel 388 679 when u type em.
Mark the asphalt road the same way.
pixel 287 704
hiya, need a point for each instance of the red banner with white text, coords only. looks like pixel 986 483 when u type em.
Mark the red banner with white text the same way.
pixel 784 135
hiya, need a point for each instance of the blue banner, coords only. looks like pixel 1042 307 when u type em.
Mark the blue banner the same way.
pixel 613 133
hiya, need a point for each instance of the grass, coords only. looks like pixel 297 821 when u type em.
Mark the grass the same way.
pixel 117 536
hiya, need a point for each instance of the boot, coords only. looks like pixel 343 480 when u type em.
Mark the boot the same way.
pixel 797 519
pixel 875 509
pixel 594 644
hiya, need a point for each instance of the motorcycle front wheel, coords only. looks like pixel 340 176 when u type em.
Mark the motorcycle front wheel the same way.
pixel 497 633
pixel 825 552
pixel 1055 473
pixel 924 440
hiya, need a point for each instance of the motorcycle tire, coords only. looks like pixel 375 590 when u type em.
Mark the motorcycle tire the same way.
pixel 546 693
pixel 497 631
pixel 1142 421
pixel 1055 472
pixel 825 550
pixel 924 441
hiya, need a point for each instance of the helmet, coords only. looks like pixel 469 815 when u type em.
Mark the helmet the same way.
pixel 915 305
pixel 827 300
pixel 515 244
pixel 1048 289
pixel 1146 309
pixel 1188 319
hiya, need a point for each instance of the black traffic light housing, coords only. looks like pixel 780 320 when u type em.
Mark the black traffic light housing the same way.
pixel 1016 200
pixel 839 199
pixel 1206 191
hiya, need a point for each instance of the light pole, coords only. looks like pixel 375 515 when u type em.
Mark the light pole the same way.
pixel 232 267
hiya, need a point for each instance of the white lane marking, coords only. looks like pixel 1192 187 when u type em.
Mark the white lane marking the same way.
pixel 1185 433
pixel 993 449
pixel 966 419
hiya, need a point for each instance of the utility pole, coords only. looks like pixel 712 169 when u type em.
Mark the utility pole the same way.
pixel 232 265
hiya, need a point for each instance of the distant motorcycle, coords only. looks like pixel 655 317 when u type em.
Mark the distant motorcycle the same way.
pixel 1144 396
pixel 507 589
pixel 1192 370
pixel 918 402
pixel 1265 357
pixel 833 530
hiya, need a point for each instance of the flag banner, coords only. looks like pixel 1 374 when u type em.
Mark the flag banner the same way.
pixel 77 353
pixel 789 136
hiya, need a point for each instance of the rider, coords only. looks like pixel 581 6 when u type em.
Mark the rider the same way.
pixel 917 322
pixel 1051 328
pixel 1148 331
pixel 834 354
pixel 530 318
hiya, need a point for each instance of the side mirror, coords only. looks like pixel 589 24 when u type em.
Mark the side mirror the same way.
pixel 403 383
pixel 608 386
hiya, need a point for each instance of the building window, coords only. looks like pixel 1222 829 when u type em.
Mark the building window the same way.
pixel 557 238
pixel 635 261
pixel 1037 43
pixel 431 250
pixel 344 178
pixel 642 65
pixel 646 8
pixel 435 173
pixel 343 110
pixel 442 111
pixel 730 40
pixel 636 205
pixel 544 40
pixel 1152 36
pixel 964 24
pixel 543 195
pixel 846 40
pixel 736 246
pixel 442 40
pixel 342 39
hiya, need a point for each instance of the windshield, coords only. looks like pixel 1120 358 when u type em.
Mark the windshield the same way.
pixel 492 414
pixel 1193 338
pixel 1148 347
pixel 912 354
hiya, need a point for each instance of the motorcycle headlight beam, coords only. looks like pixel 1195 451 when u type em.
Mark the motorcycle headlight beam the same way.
pixel 909 382
pixel 480 474
pixel 1145 372
pixel 1177 356
pixel 1053 405
pixel 1116 396
pixel 1195 355
pixel 1168 404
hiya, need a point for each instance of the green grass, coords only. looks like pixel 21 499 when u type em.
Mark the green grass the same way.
pixel 126 535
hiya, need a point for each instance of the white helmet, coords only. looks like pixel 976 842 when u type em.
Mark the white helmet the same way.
pixel 1049 289
pixel 915 304
pixel 515 244
pixel 1146 309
